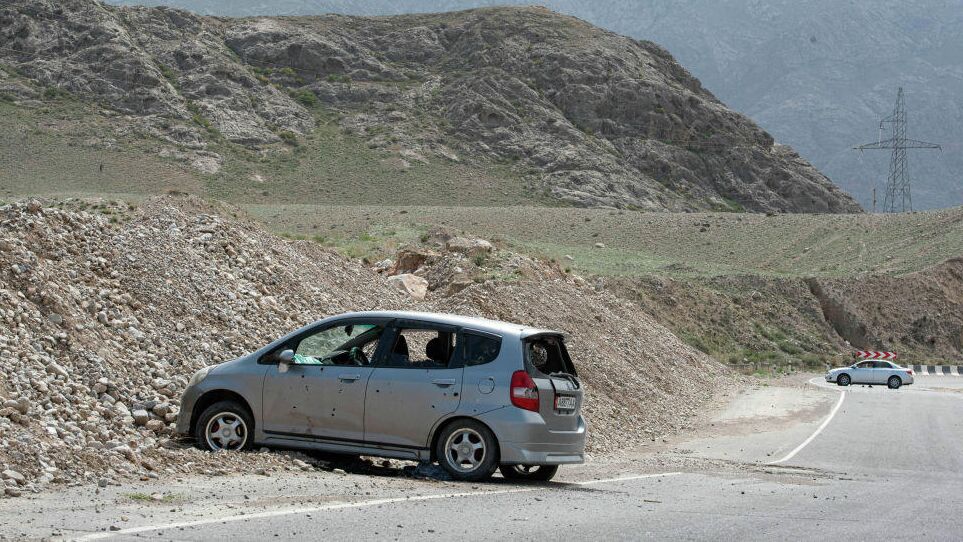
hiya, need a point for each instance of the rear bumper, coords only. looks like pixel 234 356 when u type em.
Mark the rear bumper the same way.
pixel 525 438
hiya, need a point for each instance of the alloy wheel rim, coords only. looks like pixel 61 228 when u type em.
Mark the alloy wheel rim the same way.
pixel 465 450
pixel 226 432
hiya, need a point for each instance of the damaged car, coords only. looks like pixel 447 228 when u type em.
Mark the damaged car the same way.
pixel 475 395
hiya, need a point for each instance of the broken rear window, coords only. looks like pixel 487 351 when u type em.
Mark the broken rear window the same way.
pixel 547 355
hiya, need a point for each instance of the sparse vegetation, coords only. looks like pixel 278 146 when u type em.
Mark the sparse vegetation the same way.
pixel 305 97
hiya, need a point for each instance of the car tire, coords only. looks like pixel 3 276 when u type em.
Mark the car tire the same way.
pixel 894 382
pixel 843 380
pixel 224 426
pixel 528 473
pixel 467 450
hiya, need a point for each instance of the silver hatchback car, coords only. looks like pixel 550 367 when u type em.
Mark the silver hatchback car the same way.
pixel 872 371
pixel 475 395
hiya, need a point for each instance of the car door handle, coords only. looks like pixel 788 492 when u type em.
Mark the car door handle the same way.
pixel 348 378
pixel 443 382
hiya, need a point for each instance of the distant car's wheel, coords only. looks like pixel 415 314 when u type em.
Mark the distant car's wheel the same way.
pixel 539 473
pixel 224 426
pixel 894 382
pixel 467 450
pixel 843 380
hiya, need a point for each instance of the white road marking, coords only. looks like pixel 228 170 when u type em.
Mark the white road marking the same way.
pixel 832 413
pixel 626 478
pixel 343 505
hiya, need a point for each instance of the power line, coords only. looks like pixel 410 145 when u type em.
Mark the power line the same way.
pixel 898 196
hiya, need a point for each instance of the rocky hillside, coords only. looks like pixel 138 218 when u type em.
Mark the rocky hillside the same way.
pixel 577 114
pixel 106 310
pixel 817 75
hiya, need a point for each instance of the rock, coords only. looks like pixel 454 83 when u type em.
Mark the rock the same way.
pixel 468 247
pixel 120 408
pixel 12 491
pixel 55 319
pixel 140 416
pixel 56 369
pixel 157 426
pixel 408 260
pixel 599 245
pixel 413 285
pixel 34 206
pixel 11 474
pixel 161 409
pixel 383 265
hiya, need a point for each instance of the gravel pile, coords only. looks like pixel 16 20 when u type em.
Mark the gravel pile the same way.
pixel 106 312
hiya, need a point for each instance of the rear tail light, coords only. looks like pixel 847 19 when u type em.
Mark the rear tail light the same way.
pixel 524 393
pixel 910 371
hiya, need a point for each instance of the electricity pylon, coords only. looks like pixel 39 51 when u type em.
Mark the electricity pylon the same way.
pixel 898 197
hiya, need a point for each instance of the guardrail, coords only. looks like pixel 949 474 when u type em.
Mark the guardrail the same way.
pixel 937 370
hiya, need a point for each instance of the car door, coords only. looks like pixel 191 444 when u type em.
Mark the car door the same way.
pixel 320 395
pixel 883 370
pixel 864 373
pixel 413 385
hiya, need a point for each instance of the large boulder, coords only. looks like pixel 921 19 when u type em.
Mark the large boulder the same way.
pixel 413 285
pixel 469 247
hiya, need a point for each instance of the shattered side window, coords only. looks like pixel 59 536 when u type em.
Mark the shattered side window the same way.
pixel 480 349
pixel 334 346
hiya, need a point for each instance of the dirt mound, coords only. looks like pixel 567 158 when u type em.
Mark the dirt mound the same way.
pixel 920 315
pixel 105 312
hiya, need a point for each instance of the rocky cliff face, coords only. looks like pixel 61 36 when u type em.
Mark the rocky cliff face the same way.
pixel 585 116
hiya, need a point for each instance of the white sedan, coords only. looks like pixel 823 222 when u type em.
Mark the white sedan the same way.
pixel 872 371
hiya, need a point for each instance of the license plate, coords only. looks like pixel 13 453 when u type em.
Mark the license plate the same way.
pixel 565 402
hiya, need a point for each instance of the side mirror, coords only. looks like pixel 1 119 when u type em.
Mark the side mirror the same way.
pixel 285 357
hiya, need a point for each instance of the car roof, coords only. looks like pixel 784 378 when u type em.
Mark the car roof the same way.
pixel 471 322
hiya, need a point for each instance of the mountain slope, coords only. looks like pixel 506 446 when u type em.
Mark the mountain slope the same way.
pixel 818 75
pixel 576 113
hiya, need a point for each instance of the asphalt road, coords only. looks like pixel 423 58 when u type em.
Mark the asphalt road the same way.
pixel 873 463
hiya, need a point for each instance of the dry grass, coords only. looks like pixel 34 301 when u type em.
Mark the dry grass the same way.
pixel 684 245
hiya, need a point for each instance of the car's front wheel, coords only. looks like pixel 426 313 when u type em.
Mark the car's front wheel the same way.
pixel 894 382
pixel 843 380
pixel 467 450
pixel 224 426
pixel 529 473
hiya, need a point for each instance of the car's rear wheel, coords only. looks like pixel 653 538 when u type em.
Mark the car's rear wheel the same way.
pixel 467 450
pixel 533 473
pixel 843 380
pixel 894 382
pixel 224 426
